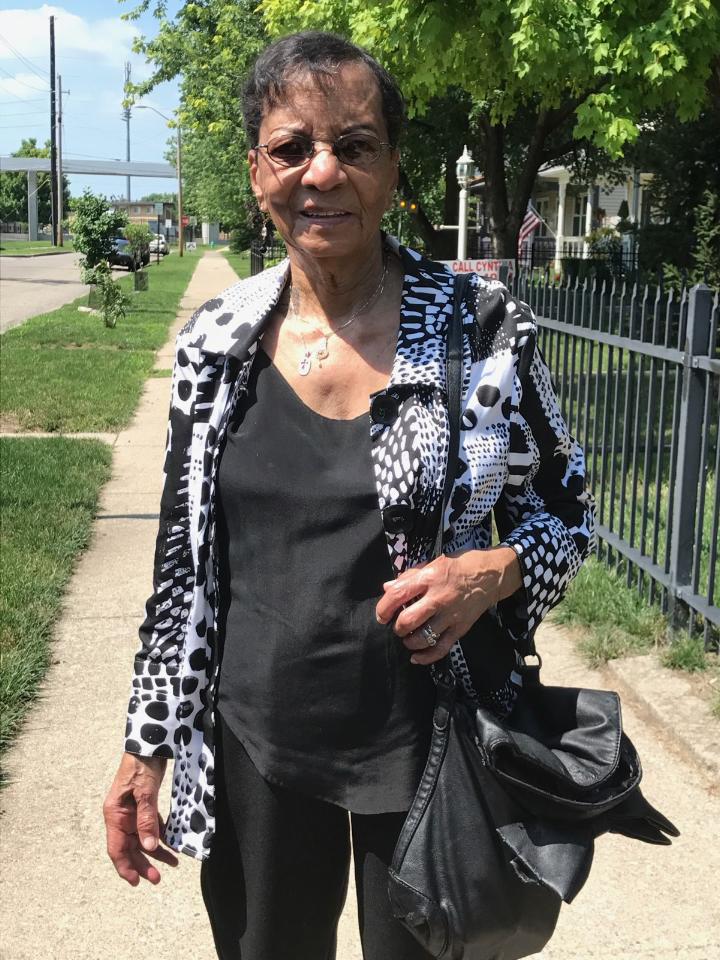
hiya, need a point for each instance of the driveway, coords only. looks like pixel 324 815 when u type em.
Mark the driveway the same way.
pixel 33 285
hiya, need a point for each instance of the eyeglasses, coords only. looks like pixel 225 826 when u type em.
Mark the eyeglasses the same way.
pixel 295 150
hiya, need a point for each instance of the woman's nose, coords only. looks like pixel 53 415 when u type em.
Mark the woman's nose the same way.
pixel 324 170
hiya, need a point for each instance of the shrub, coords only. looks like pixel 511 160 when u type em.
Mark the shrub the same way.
pixel 94 227
pixel 113 302
pixel 138 237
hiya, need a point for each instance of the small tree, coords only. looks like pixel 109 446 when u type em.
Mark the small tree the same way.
pixel 138 237
pixel 95 226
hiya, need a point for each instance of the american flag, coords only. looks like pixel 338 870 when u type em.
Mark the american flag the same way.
pixel 531 221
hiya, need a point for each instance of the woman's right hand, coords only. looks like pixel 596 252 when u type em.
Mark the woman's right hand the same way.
pixel 132 822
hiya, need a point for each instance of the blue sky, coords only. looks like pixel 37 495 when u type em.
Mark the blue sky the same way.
pixel 92 43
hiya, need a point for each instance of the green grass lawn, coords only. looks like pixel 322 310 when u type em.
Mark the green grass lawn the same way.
pixel 66 371
pixel 240 262
pixel 26 248
pixel 50 491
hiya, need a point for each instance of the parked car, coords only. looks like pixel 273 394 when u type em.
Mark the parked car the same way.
pixel 158 244
pixel 122 255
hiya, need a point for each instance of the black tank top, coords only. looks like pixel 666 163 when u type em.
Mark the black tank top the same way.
pixel 323 698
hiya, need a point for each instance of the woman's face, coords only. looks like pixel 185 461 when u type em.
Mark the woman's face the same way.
pixel 353 198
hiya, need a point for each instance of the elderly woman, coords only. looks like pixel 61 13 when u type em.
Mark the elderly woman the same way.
pixel 283 664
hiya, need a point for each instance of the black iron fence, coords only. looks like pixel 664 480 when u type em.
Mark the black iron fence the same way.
pixel 264 254
pixel 576 260
pixel 637 370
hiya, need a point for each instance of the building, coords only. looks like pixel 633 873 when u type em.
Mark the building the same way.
pixel 151 214
pixel 571 211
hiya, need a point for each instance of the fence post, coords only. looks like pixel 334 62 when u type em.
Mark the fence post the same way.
pixel 688 451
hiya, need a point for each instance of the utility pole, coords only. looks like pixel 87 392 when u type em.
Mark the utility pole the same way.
pixel 181 228
pixel 126 117
pixel 53 143
pixel 60 212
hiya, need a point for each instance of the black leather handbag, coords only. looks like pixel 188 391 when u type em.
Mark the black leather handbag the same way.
pixel 503 824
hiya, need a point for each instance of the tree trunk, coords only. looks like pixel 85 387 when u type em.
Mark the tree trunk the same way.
pixel 431 237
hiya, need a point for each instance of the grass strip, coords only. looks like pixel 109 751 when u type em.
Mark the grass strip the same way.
pixel 29 248
pixel 614 620
pixel 240 262
pixel 66 371
pixel 50 493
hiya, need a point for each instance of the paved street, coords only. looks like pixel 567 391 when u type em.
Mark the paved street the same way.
pixel 59 896
pixel 32 285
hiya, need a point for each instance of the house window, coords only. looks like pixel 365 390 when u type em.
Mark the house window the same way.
pixel 542 205
pixel 136 209
pixel 578 221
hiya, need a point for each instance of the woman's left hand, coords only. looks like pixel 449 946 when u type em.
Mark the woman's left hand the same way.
pixel 446 597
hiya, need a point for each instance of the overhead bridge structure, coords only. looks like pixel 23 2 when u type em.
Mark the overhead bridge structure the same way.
pixel 117 168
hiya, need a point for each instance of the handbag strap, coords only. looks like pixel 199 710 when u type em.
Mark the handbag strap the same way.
pixel 453 374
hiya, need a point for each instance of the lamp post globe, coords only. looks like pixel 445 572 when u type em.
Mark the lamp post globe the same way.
pixel 465 171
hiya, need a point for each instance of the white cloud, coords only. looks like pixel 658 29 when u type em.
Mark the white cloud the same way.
pixel 109 39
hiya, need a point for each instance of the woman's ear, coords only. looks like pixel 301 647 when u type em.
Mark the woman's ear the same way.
pixel 255 179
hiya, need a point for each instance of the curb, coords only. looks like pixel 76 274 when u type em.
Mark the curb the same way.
pixel 691 730
pixel 32 256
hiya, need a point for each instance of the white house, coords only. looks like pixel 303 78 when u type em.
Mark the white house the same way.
pixel 570 211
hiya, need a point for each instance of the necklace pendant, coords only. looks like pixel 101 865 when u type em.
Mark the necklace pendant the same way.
pixel 322 354
pixel 305 365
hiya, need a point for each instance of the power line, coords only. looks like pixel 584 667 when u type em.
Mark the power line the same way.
pixel 33 113
pixel 20 100
pixel 18 80
pixel 90 156
pixel 23 59
pixel 22 126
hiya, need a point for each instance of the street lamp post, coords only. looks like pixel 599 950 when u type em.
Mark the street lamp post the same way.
pixel 465 169
pixel 181 244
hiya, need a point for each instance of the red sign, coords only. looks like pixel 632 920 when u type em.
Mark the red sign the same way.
pixel 490 269
pixel 185 221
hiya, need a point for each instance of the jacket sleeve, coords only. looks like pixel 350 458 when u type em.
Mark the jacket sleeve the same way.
pixel 544 512
pixel 156 694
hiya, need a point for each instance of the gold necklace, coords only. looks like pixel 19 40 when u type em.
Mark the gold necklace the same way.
pixel 322 353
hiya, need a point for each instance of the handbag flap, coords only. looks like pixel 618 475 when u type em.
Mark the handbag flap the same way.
pixel 564 738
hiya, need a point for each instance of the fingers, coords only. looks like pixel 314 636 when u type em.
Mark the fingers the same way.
pixel 147 818
pixel 428 655
pixel 406 588
pixel 132 821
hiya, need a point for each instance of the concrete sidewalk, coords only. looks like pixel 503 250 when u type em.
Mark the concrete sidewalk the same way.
pixel 60 898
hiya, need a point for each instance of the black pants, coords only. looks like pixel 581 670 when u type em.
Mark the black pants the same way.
pixel 275 883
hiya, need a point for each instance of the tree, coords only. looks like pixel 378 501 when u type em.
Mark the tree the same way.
pixel 159 197
pixel 210 45
pixel 138 237
pixel 523 82
pixel 567 72
pixel 94 226
pixel 13 188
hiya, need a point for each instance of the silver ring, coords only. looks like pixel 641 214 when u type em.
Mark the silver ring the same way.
pixel 430 635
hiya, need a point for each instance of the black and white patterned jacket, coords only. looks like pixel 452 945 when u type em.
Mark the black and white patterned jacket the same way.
pixel 518 462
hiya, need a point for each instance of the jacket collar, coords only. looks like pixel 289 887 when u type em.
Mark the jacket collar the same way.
pixel 232 322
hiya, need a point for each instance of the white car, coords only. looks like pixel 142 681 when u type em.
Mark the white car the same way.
pixel 158 244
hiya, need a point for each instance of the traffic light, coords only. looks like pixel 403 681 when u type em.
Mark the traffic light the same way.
pixel 408 205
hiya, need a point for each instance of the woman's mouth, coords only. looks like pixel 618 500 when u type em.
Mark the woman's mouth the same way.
pixel 324 216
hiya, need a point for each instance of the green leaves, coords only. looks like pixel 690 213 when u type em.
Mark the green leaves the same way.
pixel 95 224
